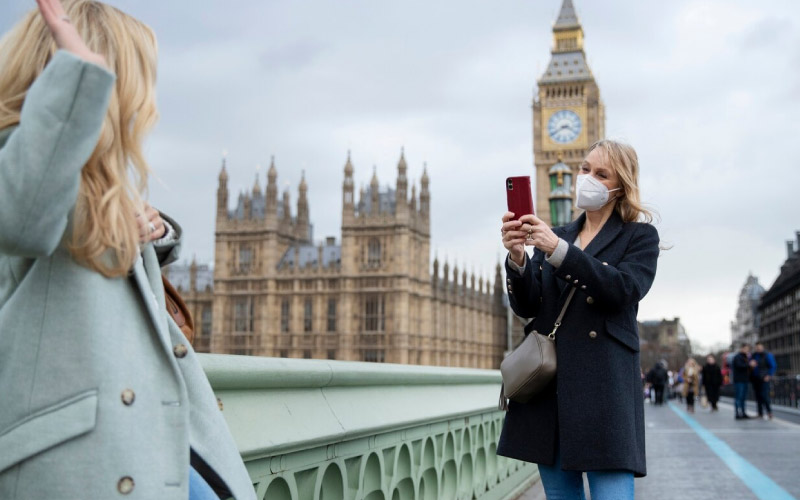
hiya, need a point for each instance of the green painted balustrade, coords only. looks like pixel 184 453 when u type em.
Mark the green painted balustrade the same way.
pixel 336 430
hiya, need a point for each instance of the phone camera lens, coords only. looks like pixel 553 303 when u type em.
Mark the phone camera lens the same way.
pixel 510 184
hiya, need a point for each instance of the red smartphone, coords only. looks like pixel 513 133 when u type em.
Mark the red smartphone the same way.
pixel 518 195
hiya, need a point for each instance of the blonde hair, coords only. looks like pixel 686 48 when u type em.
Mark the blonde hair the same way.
pixel 623 159
pixel 111 192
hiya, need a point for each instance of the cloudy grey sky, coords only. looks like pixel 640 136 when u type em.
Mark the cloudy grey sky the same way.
pixel 707 91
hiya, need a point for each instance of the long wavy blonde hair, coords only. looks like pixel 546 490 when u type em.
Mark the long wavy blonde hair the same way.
pixel 625 162
pixel 104 233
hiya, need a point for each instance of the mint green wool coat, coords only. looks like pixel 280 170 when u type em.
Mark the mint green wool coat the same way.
pixel 95 401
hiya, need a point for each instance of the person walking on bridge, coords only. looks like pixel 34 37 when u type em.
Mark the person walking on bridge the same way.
pixel 691 383
pixel 590 418
pixel 741 376
pixel 712 380
pixel 657 378
pixel 763 368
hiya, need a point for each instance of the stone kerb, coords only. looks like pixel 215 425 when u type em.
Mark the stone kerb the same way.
pixel 313 429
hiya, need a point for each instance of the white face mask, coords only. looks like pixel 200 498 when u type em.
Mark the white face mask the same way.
pixel 591 194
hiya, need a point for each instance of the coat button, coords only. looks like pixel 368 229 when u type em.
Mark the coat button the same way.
pixel 605 263
pixel 583 287
pixel 125 485
pixel 575 282
pixel 568 277
pixel 180 350
pixel 593 334
pixel 589 300
pixel 127 397
pixel 540 268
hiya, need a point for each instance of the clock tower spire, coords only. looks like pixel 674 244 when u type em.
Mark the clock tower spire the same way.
pixel 568 114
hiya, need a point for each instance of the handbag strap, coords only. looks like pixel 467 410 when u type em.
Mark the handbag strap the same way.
pixel 552 334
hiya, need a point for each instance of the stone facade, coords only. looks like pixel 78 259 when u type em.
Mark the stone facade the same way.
pixel 663 339
pixel 568 114
pixel 780 313
pixel 744 329
pixel 371 297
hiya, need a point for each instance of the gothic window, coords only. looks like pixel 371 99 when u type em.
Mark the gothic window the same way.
pixel 205 321
pixel 285 315
pixel 374 253
pixel 374 314
pixel 308 315
pixel 374 356
pixel 243 314
pixel 245 259
pixel 331 315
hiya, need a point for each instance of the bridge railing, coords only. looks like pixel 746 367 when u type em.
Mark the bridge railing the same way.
pixel 335 430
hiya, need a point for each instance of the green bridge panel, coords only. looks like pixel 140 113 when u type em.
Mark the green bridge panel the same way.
pixel 335 430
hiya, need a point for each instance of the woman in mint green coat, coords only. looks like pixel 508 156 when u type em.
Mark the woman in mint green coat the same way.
pixel 100 394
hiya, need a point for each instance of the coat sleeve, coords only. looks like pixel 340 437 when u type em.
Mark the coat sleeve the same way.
pixel 620 286
pixel 169 252
pixel 41 161
pixel 525 289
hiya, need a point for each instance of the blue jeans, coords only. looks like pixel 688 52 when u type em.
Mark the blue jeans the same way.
pixel 568 485
pixel 199 488
pixel 741 397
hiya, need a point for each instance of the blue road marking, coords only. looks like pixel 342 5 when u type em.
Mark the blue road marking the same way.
pixel 758 482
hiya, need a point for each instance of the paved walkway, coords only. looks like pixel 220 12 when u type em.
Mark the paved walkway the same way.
pixel 711 455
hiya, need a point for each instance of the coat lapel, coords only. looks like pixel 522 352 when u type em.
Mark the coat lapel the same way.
pixel 147 275
pixel 607 233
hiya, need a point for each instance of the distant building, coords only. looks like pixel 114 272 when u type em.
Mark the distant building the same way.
pixel 780 313
pixel 663 339
pixel 276 292
pixel 744 329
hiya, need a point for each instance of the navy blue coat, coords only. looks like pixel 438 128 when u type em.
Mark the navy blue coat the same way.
pixel 593 411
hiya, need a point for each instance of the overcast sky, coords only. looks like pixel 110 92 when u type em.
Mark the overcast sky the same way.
pixel 708 92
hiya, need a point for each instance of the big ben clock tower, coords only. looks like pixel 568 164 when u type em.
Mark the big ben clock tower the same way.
pixel 568 117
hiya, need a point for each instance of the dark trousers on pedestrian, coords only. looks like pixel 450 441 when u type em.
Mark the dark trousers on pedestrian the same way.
pixel 690 400
pixel 761 390
pixel 741 397
pixel 659 393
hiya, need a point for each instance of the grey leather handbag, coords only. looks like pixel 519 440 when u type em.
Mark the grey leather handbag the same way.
pixel 531 366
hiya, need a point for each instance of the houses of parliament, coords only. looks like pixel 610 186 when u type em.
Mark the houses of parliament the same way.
pixel 374 295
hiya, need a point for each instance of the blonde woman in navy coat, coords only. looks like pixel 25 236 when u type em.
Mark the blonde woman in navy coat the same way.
pixel 100 394
pixel 590 419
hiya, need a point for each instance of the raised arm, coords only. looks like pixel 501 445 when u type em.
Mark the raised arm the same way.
pixel 41 159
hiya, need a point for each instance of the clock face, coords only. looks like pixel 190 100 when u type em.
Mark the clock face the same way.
pixel 564 126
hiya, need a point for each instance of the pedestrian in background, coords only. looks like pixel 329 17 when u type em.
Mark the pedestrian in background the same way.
pixel 712 380
pixel 691 383
pixel 763 368
pixel 657 378
pixel 678 387
pixel 741 377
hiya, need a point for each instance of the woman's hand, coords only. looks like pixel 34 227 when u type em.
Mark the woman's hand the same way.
pixel 64 33
pixel 151 225
pixel 513 238
pixel 538 234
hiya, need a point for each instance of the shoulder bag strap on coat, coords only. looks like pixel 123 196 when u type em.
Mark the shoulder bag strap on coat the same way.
pixel 552 334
